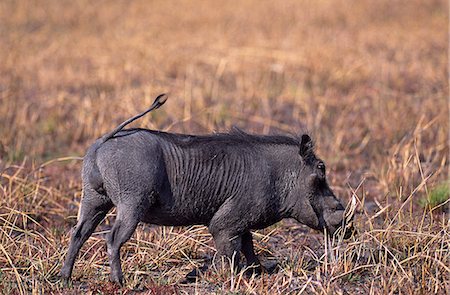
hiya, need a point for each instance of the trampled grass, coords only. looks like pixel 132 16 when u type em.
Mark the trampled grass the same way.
pixel 368 80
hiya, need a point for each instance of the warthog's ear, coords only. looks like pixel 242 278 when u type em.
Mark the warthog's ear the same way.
pixel 306 146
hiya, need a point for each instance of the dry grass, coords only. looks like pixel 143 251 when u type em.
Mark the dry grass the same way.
pixel 368 79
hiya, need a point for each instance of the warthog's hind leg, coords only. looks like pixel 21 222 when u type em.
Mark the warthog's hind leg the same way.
pixel 93 209
pixel 124 227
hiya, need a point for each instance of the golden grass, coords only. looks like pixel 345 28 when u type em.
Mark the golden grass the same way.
pixel 368 79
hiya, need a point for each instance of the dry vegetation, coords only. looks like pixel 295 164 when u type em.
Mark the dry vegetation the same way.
pixel 368 79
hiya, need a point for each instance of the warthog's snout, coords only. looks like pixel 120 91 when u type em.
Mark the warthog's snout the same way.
pixel 339 220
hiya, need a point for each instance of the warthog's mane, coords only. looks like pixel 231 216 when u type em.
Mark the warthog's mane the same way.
pixel 234 136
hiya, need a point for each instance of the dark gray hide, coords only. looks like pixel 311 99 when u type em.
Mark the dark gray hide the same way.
pixel 232 183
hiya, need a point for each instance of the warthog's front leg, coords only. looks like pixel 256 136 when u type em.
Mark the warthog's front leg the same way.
pixel 249 253
pixel 226 229
pixel 228 247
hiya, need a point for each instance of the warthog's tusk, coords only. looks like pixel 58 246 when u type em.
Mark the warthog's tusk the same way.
pixel 350 210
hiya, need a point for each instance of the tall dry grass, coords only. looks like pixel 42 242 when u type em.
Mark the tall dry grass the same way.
pixel 368 79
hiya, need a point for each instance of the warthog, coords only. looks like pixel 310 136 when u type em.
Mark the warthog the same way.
pixel 231 182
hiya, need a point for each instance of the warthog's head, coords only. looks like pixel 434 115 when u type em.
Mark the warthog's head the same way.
pixel 317 206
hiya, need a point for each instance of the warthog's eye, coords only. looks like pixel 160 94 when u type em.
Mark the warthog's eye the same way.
pixel 321 167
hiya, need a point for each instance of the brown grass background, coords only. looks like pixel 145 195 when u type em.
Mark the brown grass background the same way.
pixel 368 79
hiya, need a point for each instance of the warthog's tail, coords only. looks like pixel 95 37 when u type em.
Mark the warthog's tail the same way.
pixel 159 101
pixel 92 174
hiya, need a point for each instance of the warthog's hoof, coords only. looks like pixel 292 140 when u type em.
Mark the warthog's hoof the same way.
pixel 117 279
pixel 271 266
pixel 253 270
pixel 194 274
pixel 63 276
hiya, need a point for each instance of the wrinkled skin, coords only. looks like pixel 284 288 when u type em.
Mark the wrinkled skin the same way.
pixel 232 183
